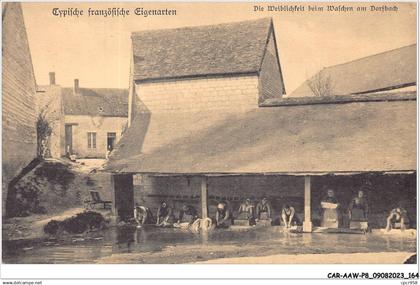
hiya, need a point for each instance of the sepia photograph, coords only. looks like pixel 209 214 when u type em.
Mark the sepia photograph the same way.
pixel 209 133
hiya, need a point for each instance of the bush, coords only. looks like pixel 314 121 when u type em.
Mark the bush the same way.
pixel 52 227
pixel 77 224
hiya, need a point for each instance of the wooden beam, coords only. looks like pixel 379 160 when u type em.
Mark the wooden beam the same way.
pixel 296 173
pixel 307 223
pixel 204 198
pixel 113 208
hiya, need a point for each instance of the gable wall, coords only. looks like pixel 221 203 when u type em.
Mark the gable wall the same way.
pixel 270 79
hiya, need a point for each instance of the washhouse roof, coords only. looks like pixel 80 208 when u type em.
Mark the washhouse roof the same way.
pixel 327 137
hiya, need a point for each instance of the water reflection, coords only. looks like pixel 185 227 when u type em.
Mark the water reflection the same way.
pixel 204 237
pixel 125 237
pixel 150 239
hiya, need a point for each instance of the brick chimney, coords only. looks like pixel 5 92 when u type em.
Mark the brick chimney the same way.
pixel 76 86
pixel 52 78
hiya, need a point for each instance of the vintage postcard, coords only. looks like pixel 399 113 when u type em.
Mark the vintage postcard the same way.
pixel 222 133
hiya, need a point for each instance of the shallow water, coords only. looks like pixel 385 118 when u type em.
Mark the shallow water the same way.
pixel 149 240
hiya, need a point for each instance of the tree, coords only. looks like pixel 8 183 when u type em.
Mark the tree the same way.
pixel 43 131
pixel 321 84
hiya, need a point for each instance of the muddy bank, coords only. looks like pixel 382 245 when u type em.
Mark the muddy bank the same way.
pixel 59 188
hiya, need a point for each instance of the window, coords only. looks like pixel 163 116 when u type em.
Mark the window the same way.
pixel 91 140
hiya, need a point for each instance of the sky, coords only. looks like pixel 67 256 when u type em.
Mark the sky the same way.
pixel 96 50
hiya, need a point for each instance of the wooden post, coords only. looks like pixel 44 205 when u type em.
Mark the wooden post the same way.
pixel 204 198
pixel 307 223
pixel 114 207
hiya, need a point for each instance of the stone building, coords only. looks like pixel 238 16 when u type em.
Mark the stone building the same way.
pixel 86 122
pixel 218 70
pixel 229 67
pixel 18 98
pixel 231 141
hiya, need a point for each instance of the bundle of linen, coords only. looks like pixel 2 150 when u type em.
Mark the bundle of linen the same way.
pixel 204 225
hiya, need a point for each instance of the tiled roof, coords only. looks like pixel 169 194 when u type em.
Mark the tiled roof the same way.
pixel 334 137
pixel 384 71
pixel 199 51
pixel 96 102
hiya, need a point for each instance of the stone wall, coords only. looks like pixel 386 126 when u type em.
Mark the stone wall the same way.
pixel 233 189
pixel 18 113
pixel 231 93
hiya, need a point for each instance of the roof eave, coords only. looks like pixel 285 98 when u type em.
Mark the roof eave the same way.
pixel 404 85
pixel 195 76
pixel 341 99
pixel 285 173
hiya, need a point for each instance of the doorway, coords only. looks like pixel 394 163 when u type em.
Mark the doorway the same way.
pixel 69 139
pixel 111 139
pixel 123 196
